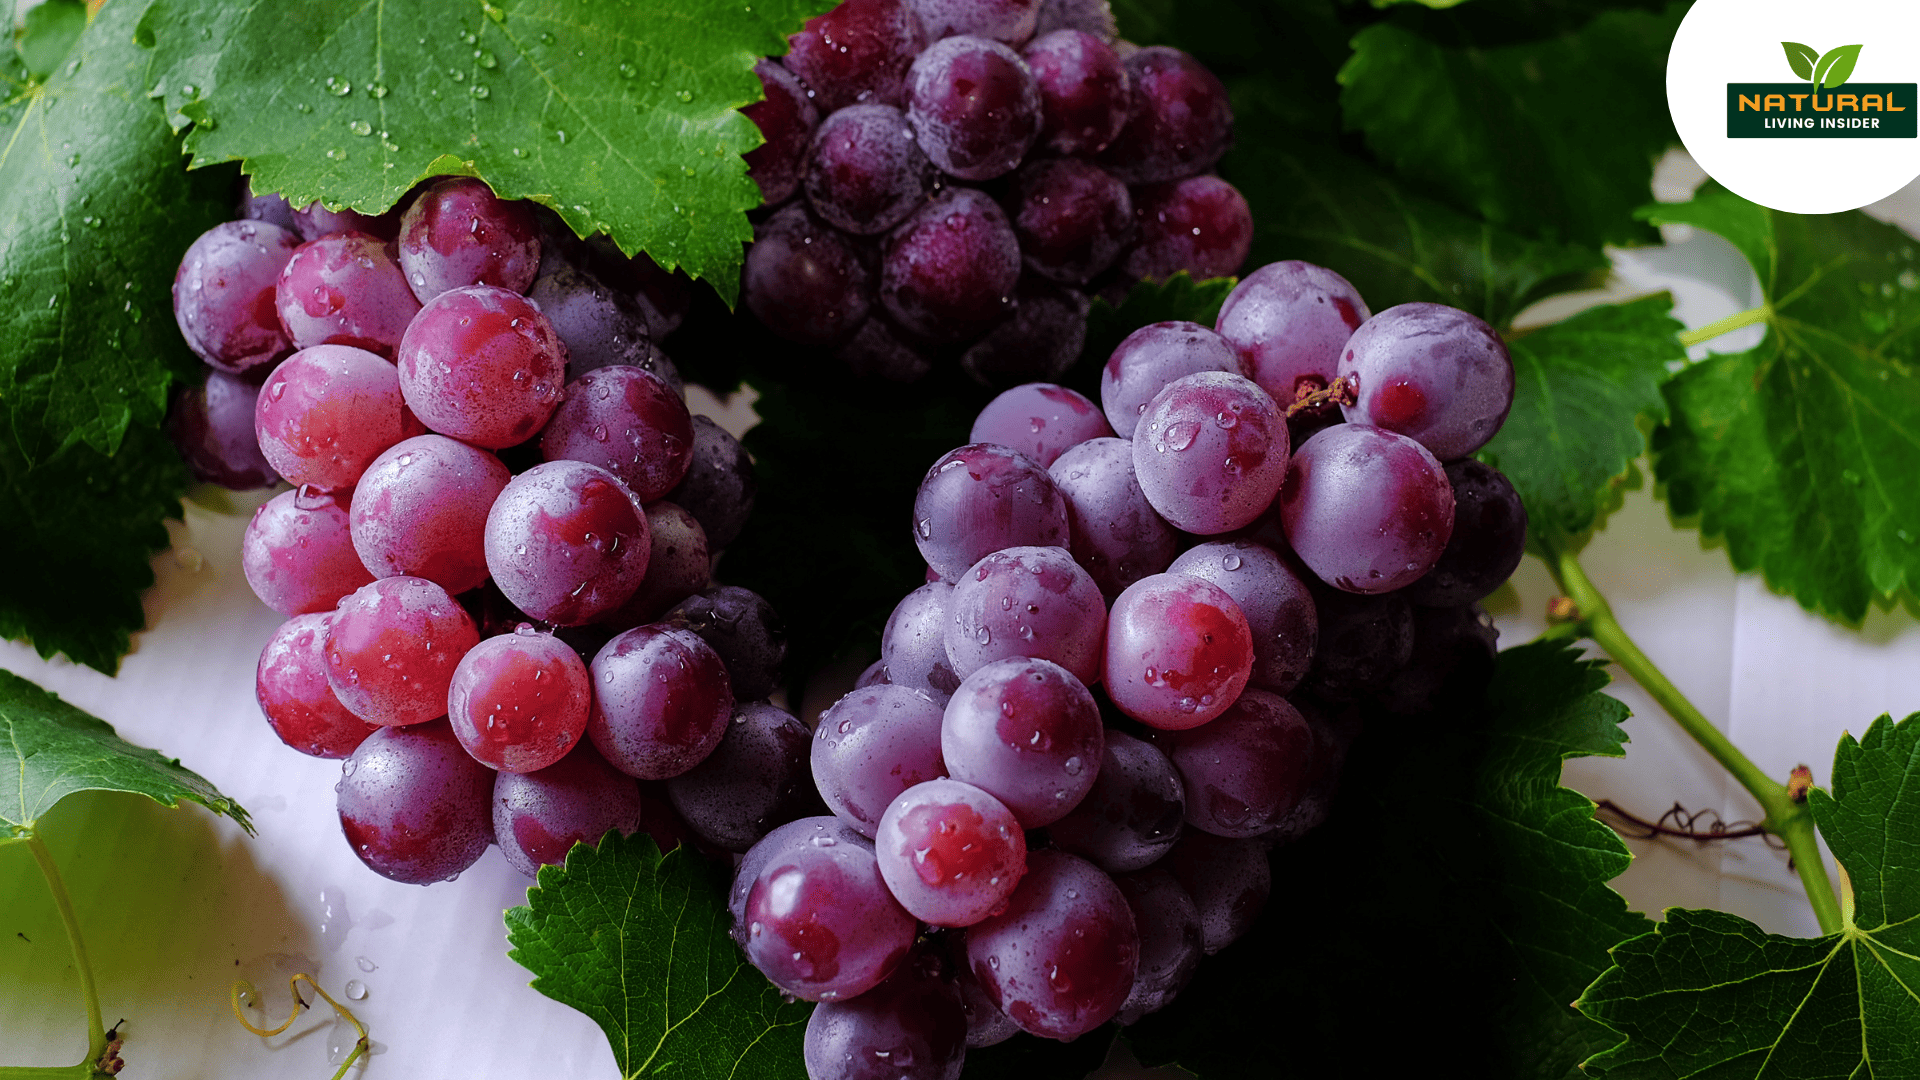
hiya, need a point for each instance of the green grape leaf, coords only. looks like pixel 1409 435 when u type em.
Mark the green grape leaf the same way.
pixel 1711 994
pixel 1549 136
pixel 622 120
pixel 638 941
pixel 1580 387
pixel 1804 452
pixel 95 213
pixel 1836 65
pixel 47 34
pixel 1453 859
pixel 1178 298
pixel 59 750
pixel 1801 58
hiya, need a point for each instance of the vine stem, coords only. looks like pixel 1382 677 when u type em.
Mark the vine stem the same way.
pixel 1727 325
pixel 96 1031
pixel 1785 818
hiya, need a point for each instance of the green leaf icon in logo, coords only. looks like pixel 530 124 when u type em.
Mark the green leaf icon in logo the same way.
pixel 1801 57
pixel 1835 66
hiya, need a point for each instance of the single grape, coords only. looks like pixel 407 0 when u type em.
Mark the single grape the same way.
pixel 392 648
pixel 1084 93
pixel 297 552
pixel 1115 534
pixel 1150 358
pixel 269 208
pixel 1366 509
pixel 881 350
pixel 950 852
pixel 1228 880
pixel 678 565
pixel 986 1024
pixel 1179 122
pixel 518 702
pixel 870 746
pixel 1201 225
pixel 223 295
pixel 911 1027
pixel 1178 651
pixel 744 629
pixel 1027 732
pixel 1041 341
pixel 1245 771
pixel 1277 604
pixel 1364 639
pixel 823 830
pixel 629 422
pixel 481 364
pixel 1062 957
pixel 1040 420
pixel 1489 536
pixel 719 486
pixel 661 702
pixel 974 105
pixel 1171 942
pixel 567 542
pixel 1433 373
pixel 858 53
pixel 414 806
pixel 314 221
pixel 539 816
pixel 1210 452
pixel 290 684
pixel 211 424
pixel 1452 660
pixel 421 510
pixel 1132 814
pixel 786 119
pixel 1026 602
pixel 864 171
pixel 804 280
pixel 459 233
pixel 983 498
pixel 758 778
pixel 1072 218
pixel 913 647
pixel 821 924
pixel 1009 22
pixel 948 272
pixel 1289 321
pixel 599 326
pixel 345 289
pixel 326 412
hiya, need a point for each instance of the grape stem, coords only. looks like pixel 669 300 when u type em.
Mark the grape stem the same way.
pixel 1712 330
pixel 96 1030
pixel 299 1006
pixel 1786 818
pixel 1338 392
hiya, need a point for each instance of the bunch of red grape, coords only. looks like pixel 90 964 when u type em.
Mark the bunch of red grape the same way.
pixel 1136 666
pixel 884 111
pixel 501 534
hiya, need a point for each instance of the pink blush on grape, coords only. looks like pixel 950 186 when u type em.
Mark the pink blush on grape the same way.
pixel 1178 651
pixel 481 364
pixel 567 542
pixel 518 702
pixel 392 648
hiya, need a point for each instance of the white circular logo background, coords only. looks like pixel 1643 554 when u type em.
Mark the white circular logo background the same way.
pixel 1739 41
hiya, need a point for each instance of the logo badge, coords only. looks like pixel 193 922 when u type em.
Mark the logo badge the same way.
pixel 1801 111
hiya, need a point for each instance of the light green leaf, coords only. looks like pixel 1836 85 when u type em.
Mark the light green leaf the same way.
pixel 1836 65
pixel 1801 58
pixel 48 33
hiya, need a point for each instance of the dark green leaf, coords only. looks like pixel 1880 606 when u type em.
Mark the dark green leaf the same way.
pixel 1804 453
pixel 1801 58
pixel 1178 298
pixel 1710 994
pixel 1580 386
pixel 1836 65
pixel 58 750
pixel 622 119
pixel 638 941
pixel 48 33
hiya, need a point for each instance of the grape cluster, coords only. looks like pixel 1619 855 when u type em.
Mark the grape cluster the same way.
pixel 496 554
pixel 1151 628
pixel 882 116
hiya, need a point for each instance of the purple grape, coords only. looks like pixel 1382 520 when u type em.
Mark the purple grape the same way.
pixel 983 498
pixel 1432 373
pixel 1366 509
pixel 1334 729
pixel 974 105
pixel 326 412
pixel 786 119
pixel 719 486
pixel 211 424
pixel 1179 122
pixel 858 53
pixel 1363 641
pixel 948 272
pixel 1245 771
pixel 758 778
pixel 627 421
pixel 481 364
pixel 1149 359
pixel 1289 321
pixel 1489 537
pixel 870 746
pixel 1210 452
pixel 415 808
pixel 911 1027
pixel 879 350
pixel 1228 880
pixel 345 289
pixel 599 326
pixel 823 830
pixel 1091 16
pixel 314 221
pixel 297 552
pixel 986 1024
pixel 1084 94
pixel 1041 341
pixel 1115 534
pixel 804 280
pixel 539 816
pixel 664 298
pixel 875 674
pixel 392 647
pixel 459 233
pixel 1133 813
pixel 567 542
pixel 1178 651
pixel 821 924
pixel 269 208
pixel 290 684
pixel 1201 225
pixel 1071 217
pixel 744 629
pixel 1026 602
pixel 1027 732
pixel 950 853
pixel 678 565
pixel 1171 942
pixel 1040 420
pixel 864 171
pixel 421 510
pixel 1061 959
pixel 913 647
pixel 223 295
pixel 1009 22
pixel 1452 659
pixel 518 702
pixel 1277 604
pixel 661 702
